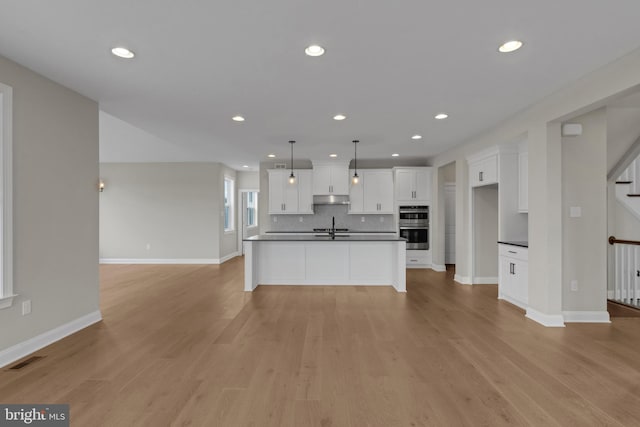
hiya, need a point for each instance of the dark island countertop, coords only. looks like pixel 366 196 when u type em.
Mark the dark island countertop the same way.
pixel 522 244
pixel 316 232
pixel 327 238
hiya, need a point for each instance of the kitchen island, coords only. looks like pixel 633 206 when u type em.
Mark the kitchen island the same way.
pixel 320 260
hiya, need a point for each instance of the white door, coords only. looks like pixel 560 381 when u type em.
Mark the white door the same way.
pixel 321 180
pixel 450 223
pixel 423 185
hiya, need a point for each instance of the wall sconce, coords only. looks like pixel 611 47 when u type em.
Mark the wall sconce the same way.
pixel 101 186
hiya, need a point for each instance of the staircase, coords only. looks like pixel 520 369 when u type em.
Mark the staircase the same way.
pixel 627 253
pixel 628 188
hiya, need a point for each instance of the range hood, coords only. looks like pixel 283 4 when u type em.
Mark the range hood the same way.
pixel 331 200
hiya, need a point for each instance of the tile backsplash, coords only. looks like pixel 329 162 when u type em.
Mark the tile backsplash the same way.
pixel 322 219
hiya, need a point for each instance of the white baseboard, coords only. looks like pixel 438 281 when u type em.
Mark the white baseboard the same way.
pixel 439 267
pixel 485 280
pixel 463 280
pixel 549 320
pixel 169 260
pixel 228 257
pixel 29 346
pixel 586 316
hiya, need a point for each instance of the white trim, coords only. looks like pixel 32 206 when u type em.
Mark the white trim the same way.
pixel 169 260
pixel 439 267
pixel 586 316
pixel 227 257
pixel 412 266
pixel 549 320
pixel 6 195
pixel 463 280
pixel 7 302
pixel 34 344
pixel 485 281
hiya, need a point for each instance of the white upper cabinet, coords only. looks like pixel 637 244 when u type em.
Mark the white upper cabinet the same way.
pixel 413 185
pixel 330 179
pixel 483 171
pixel 523 182
pixel 286 198
pixel 373 194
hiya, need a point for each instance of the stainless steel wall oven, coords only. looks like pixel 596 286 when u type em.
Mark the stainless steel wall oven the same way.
pixel 413 222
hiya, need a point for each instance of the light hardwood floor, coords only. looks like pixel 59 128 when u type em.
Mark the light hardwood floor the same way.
pixel 184 345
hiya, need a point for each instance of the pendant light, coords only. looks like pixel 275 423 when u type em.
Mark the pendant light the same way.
pixel 292 177
pixel 355 178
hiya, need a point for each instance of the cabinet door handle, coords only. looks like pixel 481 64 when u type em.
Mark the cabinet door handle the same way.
pixel 480 176
pixel 512 268
pixel 284 206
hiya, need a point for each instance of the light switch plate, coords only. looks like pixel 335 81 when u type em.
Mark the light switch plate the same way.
pixel 575 212
pixel 26 307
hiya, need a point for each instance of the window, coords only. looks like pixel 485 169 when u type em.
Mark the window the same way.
pixel 252 209
pixel 6 227
pixel 228 204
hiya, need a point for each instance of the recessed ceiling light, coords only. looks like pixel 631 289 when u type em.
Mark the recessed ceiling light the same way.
pixel 237 118
pixel 441 116
pixel 245 166
pixel 510 46
pixel 333 155
pixel 395 155
pixel 314 50
pixel 416 137
pixel 339 117
pixel 123 52
pixel 271 155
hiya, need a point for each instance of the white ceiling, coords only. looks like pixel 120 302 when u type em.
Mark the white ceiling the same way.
pixel 390 66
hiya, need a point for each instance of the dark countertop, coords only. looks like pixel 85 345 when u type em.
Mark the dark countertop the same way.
pixel 316 232
pixel 313 238
pixel 522 244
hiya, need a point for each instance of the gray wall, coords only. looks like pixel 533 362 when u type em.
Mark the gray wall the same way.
pixel 174 207
pixel 485 217
pixel 584 184
pixel 248 180
pixel 55 143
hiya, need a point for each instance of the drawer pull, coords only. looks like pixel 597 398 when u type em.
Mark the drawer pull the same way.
pixel 413 260
pixel 513 252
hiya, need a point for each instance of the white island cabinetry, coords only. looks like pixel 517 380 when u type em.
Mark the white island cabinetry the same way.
pixel 310 260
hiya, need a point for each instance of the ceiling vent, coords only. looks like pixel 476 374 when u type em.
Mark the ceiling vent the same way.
pixel 280 166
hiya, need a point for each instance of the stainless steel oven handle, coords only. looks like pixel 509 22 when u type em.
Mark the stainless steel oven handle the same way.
pixel 417 227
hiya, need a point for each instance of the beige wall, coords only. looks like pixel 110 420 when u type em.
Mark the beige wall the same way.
pixel 55 146
pixel 584 185
pixel 176 208
pixel 248 180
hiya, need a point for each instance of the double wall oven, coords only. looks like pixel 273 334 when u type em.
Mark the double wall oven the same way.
pixel 413 222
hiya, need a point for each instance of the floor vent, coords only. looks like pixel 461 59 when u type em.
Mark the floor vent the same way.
pixel 26 362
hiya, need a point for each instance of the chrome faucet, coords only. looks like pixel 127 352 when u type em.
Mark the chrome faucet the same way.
pixel 332 232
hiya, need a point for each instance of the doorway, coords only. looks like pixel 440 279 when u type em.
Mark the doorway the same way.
pixel 449 223
pixel 484 216
pixel 247 216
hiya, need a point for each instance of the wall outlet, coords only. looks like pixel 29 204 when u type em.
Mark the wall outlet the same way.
pixel 26 307
pixel 574 285
pixel 381 219
pixel 361 219
pixel 275 219
pixel 148 246
pixel 300 218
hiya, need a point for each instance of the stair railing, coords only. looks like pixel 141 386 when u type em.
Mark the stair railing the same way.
pixel 627 271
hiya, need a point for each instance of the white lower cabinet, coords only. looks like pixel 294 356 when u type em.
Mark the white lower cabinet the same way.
pixel 418 258
pixel 513 275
